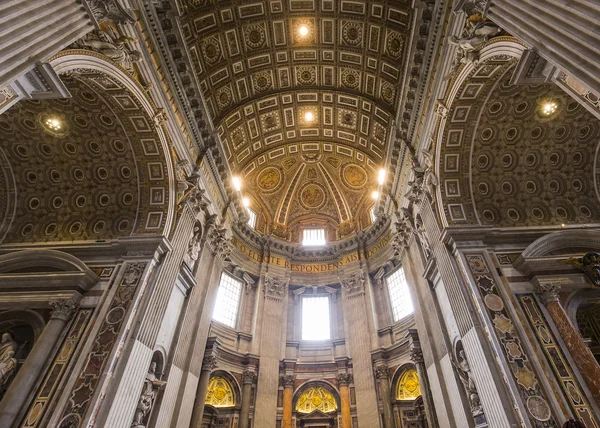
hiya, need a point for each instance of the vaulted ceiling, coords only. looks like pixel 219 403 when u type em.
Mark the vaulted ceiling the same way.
pixel 265 67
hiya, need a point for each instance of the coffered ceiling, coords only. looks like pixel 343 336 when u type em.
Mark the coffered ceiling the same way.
pixel 317 81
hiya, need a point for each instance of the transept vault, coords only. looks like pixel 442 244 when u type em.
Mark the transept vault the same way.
pixel 299 214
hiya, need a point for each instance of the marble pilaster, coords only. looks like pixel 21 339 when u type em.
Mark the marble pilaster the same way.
pixel 29 375
pixel 583 357
pixel 344 380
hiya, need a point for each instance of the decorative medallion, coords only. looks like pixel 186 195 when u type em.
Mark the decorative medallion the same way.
pixel 354 176
pixel 388 92
pixel 211 49
pixel 352 33
pixel 351 78
pixel 224 97
pixel 306 75
pixel 262 81
pixel 493 302
pixel 269 179
pixel 394 44
pixel 312 196
pixel 539 409
pixel 514 350
pixel 255 36
pixel 503 324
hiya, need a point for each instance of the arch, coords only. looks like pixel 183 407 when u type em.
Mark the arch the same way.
pixel 32 270
pixel 113 125
pixel 491 166
pixel 321 385
pixel 15 318
pixel 574 240
pixel 316 398
pixel 408 386
pixel 222 391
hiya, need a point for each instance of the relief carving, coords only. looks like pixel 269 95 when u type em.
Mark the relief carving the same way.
pixel 354 285
pixel 152 385
pixel 275 288
pixel 8 362
pixel 463 369
pixel 63 309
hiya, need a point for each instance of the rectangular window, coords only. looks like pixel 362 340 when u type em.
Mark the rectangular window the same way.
pixel 228 300
pixel 373 216
pixel 399 295
pixel 313 237
pixel 251 218
pixel 315 318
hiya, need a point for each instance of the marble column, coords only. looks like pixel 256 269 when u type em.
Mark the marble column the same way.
pixel 416 356
pixel 584 359
pixel 383 379
pixel 208 365
pixel 248 379
pixel 288 395
pixel 40 356
pixel 344 380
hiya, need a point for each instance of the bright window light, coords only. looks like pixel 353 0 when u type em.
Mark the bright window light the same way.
pixel 313 237
pixel 373 216
pixel 251 218
pixel 399 295
pixel 315 318
pixel 228 300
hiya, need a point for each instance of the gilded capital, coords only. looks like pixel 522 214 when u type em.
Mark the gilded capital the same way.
pixel 63 309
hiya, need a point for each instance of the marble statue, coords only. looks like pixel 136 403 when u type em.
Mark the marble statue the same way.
pixel 113 46
pixel 464 372
pixel 8 363
pixel 151 386
pixel 420 229
pixel 476 34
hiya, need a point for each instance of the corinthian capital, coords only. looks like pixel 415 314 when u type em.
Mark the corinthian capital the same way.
pixel 63 309
pixel 547 292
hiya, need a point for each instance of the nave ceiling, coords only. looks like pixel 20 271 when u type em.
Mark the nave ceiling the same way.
pixel 303 95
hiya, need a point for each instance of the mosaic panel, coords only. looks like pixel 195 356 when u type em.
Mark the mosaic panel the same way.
pixel 524 375
pixel 559 364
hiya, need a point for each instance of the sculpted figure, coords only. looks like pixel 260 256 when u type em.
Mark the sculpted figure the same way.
pixel 474 37
pixel 464 372
pixel 113 46
pixel 420 229
pixel 151 386
pixel 8 363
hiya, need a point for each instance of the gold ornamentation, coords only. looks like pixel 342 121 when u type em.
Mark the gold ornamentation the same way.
pixel 269 179
pixel 312 196
pixel 316 398
pixel 354 176
pixel 409 387
pixel 220 393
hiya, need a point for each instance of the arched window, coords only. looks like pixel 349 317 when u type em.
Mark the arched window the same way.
pixel 316 398
pixel 220 393
pixel 409 387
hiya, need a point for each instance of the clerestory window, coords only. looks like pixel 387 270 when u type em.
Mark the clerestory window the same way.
pixel 228 300
pixel 399 295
